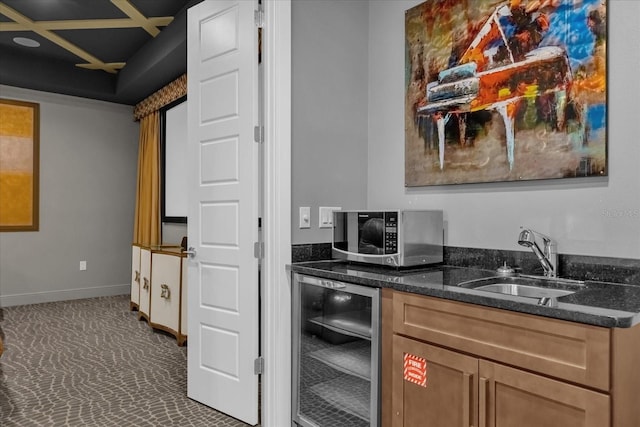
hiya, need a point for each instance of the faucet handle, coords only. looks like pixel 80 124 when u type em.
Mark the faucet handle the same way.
pixel 505 270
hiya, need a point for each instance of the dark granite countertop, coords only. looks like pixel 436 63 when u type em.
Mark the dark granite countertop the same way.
pixel 597 303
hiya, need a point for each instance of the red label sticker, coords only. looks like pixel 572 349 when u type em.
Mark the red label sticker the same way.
pixel 415 369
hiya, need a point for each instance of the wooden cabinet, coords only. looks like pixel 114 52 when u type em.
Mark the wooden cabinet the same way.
pixel 490 368
pixel 448 397
pixel 514 397
pixel 159 288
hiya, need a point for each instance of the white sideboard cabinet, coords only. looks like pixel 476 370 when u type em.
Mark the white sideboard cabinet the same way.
pixel 134 304
pixel 140 280
pixel 159 288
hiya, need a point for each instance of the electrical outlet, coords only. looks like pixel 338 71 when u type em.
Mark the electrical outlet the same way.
pixel 305 217
pixel 325 216
pixel 83 265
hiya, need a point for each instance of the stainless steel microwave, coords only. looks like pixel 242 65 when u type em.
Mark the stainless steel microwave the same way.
pixel 401 238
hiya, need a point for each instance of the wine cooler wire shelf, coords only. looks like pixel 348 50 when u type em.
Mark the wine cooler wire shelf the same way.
pixel 353 358
pixel 353 323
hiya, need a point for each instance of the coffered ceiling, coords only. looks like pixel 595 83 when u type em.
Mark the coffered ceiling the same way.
pixel 113 50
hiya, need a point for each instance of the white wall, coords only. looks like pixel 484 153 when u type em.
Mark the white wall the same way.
pixel 88 161
pixel 599 217
pixel 329 109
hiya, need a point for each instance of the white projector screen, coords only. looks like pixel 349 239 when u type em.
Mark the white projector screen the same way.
pixel 175 155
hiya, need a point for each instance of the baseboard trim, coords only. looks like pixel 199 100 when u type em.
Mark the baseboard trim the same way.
pixel 63 295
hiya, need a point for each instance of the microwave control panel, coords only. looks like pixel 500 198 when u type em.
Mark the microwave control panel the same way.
pixel 391 232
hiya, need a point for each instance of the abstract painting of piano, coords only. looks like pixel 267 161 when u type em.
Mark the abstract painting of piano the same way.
pixel 505 90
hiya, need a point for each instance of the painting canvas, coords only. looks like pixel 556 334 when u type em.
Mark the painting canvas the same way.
pixel 19 165
pixel 505 90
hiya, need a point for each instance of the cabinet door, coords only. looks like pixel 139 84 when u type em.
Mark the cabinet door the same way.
pixel 432 387
pixel 511 397
pixel 165 292
pixel 145 283
pixel 135 277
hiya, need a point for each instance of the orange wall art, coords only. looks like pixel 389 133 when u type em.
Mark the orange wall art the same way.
pixel 19 165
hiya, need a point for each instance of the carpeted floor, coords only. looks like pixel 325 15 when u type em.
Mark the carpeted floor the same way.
pixel 92 363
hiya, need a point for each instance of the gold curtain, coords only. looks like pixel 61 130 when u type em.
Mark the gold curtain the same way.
pixel 146 230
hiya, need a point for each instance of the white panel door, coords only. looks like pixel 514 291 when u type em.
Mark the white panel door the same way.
pixel 223 301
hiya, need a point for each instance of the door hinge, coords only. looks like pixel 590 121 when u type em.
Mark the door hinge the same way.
pixel 258 17
pixel 258 250
pixel 258 365
pixel 258 134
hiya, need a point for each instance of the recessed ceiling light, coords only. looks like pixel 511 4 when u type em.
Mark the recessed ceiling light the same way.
pixel 23 41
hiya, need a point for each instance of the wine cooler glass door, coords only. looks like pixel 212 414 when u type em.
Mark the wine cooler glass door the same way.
pixel 335 353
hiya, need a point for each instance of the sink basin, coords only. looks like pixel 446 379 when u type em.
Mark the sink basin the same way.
pixel 537 290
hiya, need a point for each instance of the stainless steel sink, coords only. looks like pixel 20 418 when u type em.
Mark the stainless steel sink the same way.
pixel 524 290
pixel 536 290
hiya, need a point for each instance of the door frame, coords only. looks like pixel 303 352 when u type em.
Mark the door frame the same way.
pixel 276 221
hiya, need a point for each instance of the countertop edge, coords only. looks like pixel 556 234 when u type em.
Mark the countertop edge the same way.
pixel 566 312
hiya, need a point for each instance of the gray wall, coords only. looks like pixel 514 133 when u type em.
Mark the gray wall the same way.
pixel 88 161
pixel 598 217
pixel 329 109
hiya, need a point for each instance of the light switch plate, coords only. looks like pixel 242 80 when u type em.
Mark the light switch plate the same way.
pixel 305 217
pixel 325 216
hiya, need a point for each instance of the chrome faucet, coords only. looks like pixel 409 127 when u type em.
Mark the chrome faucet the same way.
pixel 548 258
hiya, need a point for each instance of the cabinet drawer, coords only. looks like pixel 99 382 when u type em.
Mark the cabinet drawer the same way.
pixel 570 351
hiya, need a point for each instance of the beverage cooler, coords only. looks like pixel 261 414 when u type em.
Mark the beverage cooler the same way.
pixel 335 353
